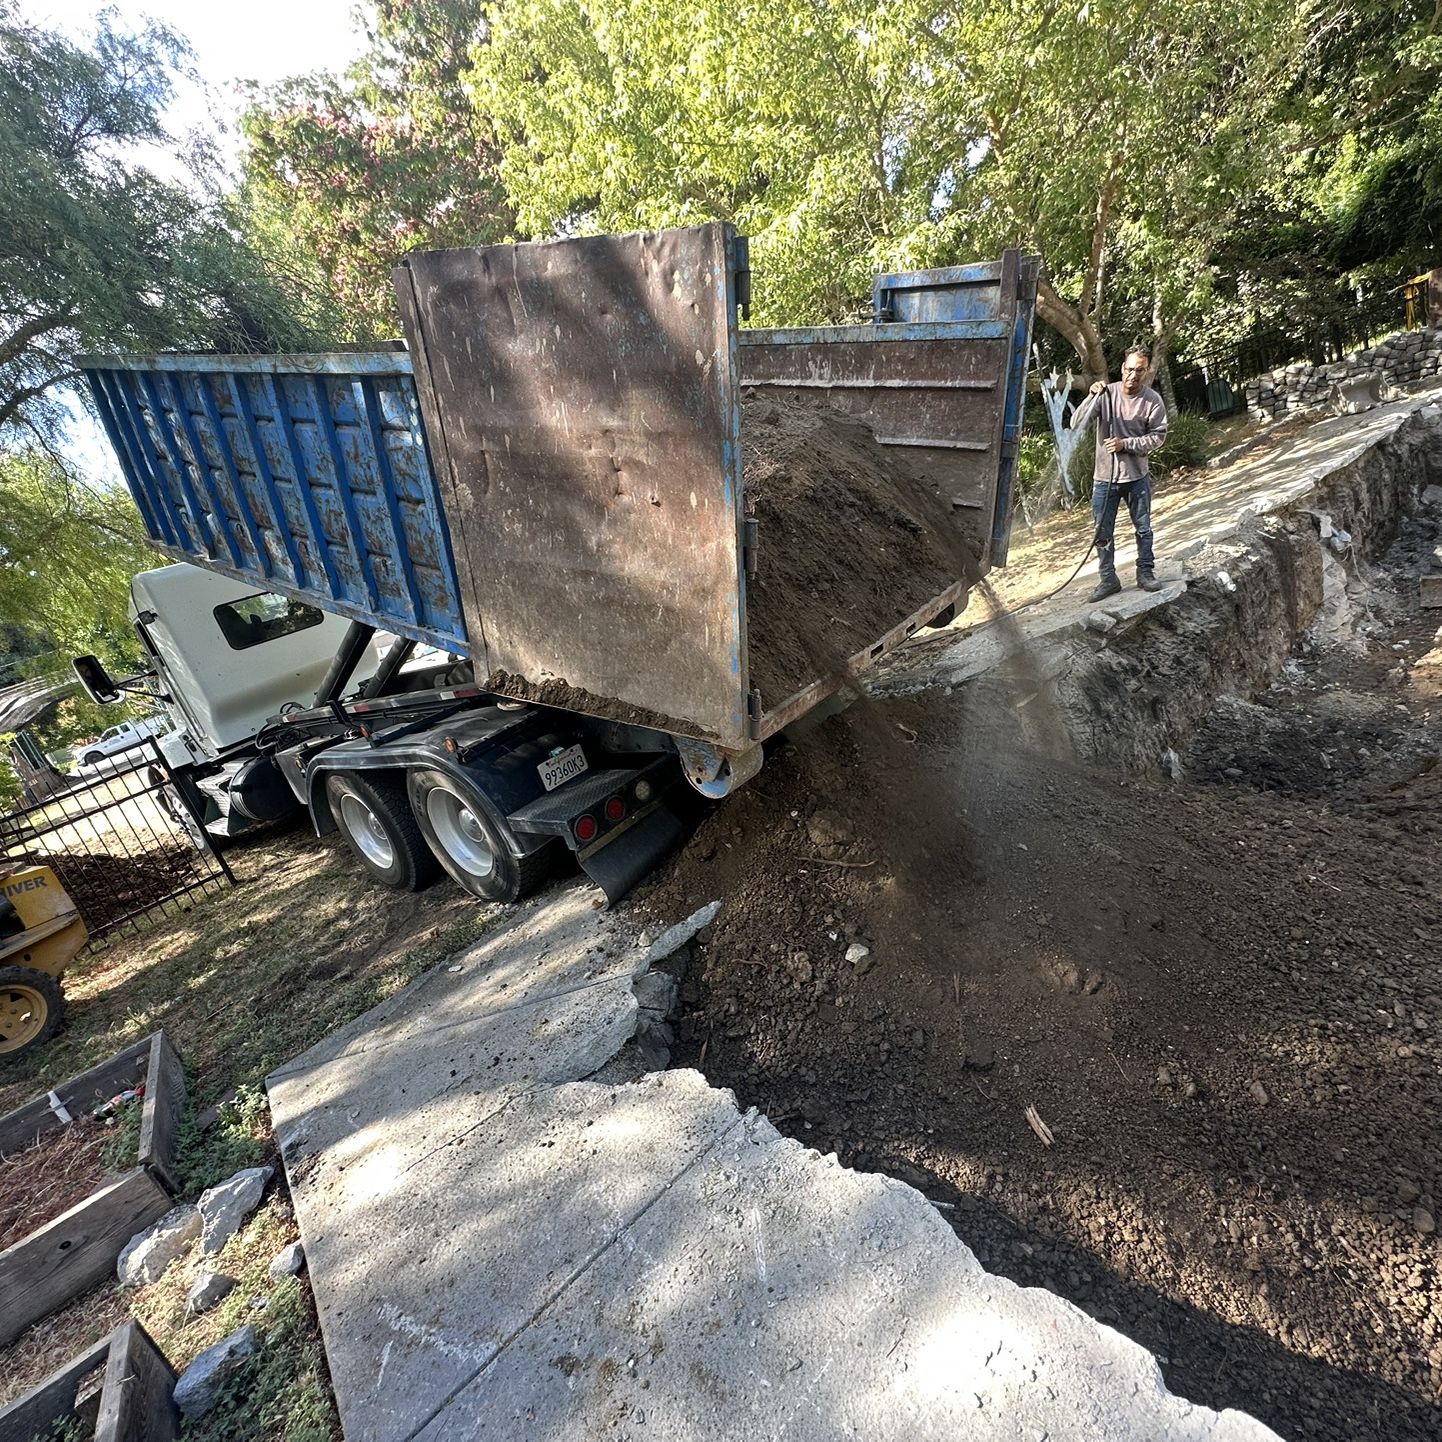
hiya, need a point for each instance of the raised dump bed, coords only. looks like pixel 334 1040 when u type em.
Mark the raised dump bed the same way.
pixel 553 481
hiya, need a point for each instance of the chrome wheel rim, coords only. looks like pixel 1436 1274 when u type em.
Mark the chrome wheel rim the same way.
pixel 459 832
pixel 363 826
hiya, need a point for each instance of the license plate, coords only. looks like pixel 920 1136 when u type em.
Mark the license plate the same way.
pixel 557 769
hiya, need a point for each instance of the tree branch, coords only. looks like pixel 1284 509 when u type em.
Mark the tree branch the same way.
pixel 15 343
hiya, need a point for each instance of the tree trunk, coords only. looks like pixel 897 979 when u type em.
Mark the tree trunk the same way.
pixel 1077 328
pixel 1163 381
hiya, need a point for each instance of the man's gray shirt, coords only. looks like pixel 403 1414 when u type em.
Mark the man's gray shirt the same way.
pixel 1140 420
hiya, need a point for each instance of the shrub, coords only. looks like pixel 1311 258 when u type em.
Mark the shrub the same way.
pixel 1188 443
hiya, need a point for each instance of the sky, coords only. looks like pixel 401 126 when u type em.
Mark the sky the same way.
pixel 260 40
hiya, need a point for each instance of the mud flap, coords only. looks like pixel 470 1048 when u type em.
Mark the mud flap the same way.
pixel 618 865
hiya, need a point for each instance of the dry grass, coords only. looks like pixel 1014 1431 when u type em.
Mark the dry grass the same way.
pixel 241 981
pixel 244 979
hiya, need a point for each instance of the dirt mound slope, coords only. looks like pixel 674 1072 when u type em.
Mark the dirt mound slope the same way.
pixel 1223 1002
pixel 853 540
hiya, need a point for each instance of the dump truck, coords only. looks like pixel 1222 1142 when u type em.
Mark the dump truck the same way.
pixel 541 496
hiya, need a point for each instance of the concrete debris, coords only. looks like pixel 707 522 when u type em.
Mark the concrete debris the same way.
pixel 287 1262
pixel 856 951
pixel 675 937
pixel 1225 581
pixel 210 1289
pixel 1172 764
pixel 1101 622
pixel 224 1208
pixel 146 1255
pixel 1340 541
pixel 196 1389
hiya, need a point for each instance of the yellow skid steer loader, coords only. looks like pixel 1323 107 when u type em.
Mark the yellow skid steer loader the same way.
pixel 41 932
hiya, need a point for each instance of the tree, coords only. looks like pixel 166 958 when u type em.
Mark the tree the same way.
pixel 67 554
pixel 343 175
pixel 96 251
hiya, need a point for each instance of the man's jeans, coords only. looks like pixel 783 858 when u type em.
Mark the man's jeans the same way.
pixel 1107 497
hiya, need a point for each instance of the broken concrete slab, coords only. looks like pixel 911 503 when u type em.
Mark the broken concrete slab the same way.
pixel 772 1292
pixel 467 1203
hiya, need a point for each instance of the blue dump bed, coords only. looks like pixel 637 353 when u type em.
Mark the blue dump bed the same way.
pixel 557 490
pixel 303 474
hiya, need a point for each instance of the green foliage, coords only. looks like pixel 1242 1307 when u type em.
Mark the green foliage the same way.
pixel 1188 442
pixel 283 1391
pixel 235 1140
pixel 343 175
pixel 67 553
pixel 122 1146
pixel 98 252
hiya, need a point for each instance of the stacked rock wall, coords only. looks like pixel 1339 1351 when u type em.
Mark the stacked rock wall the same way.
pixel 1400 360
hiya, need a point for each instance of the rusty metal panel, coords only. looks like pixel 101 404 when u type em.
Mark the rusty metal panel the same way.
pixel 582 405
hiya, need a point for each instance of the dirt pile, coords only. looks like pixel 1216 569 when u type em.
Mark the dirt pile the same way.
pixel 1224 1004
pixel 108 889
pixel 58 1172
pixel 853 539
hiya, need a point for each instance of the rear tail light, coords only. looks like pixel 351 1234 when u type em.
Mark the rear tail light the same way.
pixel 585 828
pixel 615 809
pixel 643 792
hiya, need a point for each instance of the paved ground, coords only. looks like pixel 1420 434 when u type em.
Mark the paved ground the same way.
pixel 500 1247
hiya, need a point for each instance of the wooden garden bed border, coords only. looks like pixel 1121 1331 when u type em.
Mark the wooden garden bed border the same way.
pixel 69 1255
pixel 135 1402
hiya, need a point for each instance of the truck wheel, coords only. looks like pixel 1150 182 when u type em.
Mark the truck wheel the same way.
pixel 379 828
pixel 92 758
pixel 31 1008
pixel 472 840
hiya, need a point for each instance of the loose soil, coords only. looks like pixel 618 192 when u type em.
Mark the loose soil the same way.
pixel 46 1179
pixel 1223 999
pixel 109 889
pixel 853 539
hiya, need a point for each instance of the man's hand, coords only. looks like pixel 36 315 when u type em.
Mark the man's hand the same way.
pixel 1114 444
pixel 1097 388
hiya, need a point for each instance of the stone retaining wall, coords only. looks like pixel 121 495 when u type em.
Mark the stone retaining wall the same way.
pixel 1400 360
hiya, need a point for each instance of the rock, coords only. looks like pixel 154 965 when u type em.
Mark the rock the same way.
pixel 1432 497
pixel 1172 764
pixel 146 1255
pixel 856 951
pixel 195 1391
pixel 210 1289
pixel 1258 1093
pixel 1101 622
pixel 287 1262
pixel 829 830
pixel 675 937
pixel 1408 1192
pixel 1423 1222
pixel 223 1209
pixel 1164 1077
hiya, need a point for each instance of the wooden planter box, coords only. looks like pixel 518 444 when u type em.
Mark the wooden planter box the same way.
pixel 69 1255
pixel 135 1402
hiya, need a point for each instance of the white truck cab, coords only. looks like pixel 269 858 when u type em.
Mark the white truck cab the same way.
pixel 226 659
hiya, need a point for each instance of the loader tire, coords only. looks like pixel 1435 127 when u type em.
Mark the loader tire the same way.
pixel 31 1010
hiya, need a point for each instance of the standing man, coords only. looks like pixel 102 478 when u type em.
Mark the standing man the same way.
pixel 1131 424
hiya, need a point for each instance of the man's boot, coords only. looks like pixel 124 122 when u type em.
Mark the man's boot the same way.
pixel 1107 586
pixel 1147 580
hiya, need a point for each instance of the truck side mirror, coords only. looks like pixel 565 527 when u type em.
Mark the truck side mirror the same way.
pixel 96 680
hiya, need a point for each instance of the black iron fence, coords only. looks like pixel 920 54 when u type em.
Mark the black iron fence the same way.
pixel 121 841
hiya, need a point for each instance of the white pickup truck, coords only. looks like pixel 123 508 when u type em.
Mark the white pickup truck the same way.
pixel 92 755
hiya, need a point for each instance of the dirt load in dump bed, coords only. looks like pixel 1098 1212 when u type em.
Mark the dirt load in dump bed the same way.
pixel 853 540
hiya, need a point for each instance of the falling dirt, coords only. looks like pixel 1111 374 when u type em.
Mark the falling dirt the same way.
pixel 1223 1000
pixel 853 539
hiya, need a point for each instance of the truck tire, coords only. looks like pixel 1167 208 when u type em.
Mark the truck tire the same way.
pixel 92 758
pixel 472 840
pixel 31 1009
pixel 376 821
